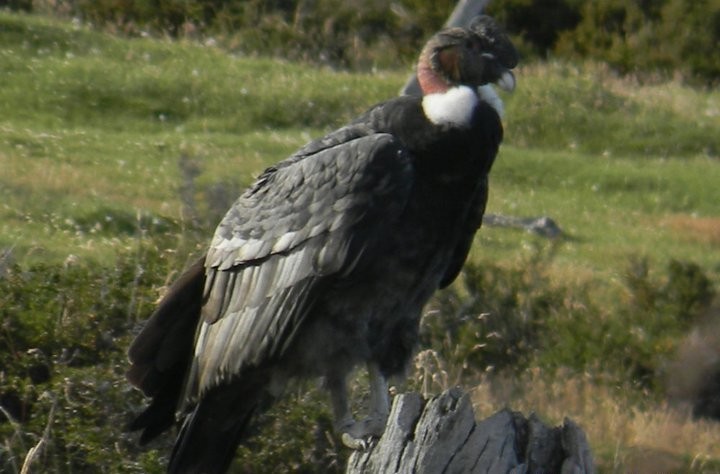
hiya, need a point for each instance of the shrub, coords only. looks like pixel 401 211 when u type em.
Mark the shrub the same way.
pixel 673 303
pixel 63 339
pixel 297 430
pixel 537 24
pixel 666 36
pixel 511 318
pixel 495 319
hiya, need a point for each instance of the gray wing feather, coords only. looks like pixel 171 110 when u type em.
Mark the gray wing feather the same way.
pixel 302 221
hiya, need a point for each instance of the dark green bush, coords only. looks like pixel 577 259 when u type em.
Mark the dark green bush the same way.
pixel 63 339
pixel 497 317
pixel 66 328
pixel 537 24
pixel 20 5
pixel 673 303
pixel 297 430
pixel 64 333
pixel 511 318
pixel 663 36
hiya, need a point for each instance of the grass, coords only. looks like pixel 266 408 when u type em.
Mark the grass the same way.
pixel 610 208
pixel 93 131
pixel 626 438
pixel 92 122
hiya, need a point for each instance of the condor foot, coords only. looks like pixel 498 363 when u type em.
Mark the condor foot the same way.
pixel 358 434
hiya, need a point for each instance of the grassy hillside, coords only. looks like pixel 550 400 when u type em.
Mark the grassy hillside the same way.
pixel 94 124
pixel 118 156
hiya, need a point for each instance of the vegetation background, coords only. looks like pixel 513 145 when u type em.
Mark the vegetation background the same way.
pixel 671 36
pixel 128 127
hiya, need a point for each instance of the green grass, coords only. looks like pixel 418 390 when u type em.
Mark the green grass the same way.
pixel 610 208
pixel 91 122
pixel 94 128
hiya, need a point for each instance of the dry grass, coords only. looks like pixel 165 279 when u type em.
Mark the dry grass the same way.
pixel 704 230
pixel 624 437
pixel 692 103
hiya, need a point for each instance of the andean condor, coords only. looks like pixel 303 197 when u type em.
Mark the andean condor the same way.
pixel 326 261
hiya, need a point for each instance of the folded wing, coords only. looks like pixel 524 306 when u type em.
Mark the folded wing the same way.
pixel 308 221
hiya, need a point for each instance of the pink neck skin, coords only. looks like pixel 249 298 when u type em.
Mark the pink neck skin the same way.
pixel 429 80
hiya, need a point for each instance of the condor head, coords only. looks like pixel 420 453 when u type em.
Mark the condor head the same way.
pixel 474 56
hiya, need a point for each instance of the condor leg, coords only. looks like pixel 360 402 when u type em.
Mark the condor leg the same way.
pixel 355 434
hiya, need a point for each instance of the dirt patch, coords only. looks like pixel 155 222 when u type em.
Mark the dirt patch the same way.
pixel 699 229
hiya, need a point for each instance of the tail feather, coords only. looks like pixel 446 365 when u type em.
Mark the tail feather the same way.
pixel 219 422
pixel 161 354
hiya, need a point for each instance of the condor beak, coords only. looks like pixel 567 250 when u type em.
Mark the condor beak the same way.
pixel 505 78
pixel 506 81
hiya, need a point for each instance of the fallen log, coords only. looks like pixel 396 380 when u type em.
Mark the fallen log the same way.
pixel 440 435
pixel 543 226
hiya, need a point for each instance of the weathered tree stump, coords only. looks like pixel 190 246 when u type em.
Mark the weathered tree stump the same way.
pixel 441 435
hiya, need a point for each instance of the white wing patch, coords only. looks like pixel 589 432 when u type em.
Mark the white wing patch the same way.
pixel 241 338
pixel 275 244
pixel 452 107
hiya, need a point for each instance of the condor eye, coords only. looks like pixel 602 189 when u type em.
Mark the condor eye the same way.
pixel 472 45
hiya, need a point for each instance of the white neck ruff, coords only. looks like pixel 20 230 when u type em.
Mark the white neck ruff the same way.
pixel 452 107
pixel 455 106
